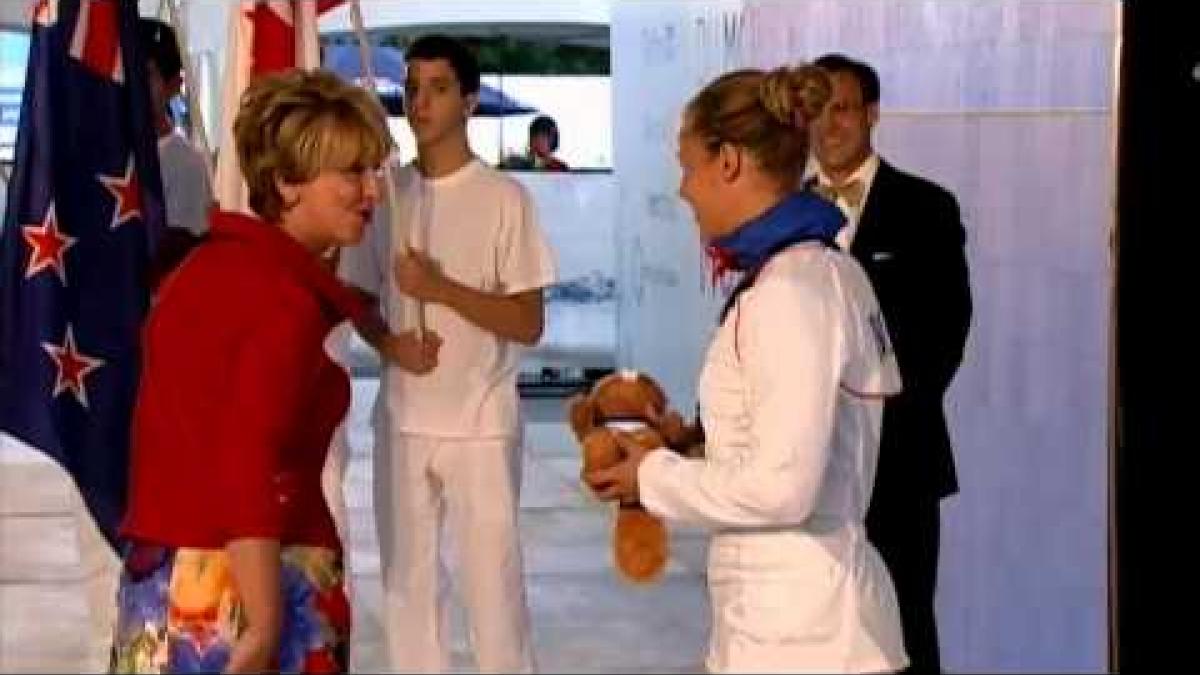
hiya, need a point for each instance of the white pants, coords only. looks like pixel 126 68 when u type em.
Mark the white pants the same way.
pixel 333 478
pixel 101 570
pixel 474 485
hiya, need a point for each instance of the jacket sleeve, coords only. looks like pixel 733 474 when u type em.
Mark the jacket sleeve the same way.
pixel 271 376
pixel 929 327
pixel 791 350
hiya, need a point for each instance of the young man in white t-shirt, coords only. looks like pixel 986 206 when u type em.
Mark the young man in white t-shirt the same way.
pixel 467 246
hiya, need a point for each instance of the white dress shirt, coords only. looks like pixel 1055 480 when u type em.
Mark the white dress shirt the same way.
pixel 865 173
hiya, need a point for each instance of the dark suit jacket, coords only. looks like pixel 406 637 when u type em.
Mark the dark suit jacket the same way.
pixel 910 240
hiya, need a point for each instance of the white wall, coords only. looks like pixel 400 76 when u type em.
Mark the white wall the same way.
pixel 576 213
pixel 1008 104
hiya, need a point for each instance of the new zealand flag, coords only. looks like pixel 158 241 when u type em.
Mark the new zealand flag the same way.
pixel 83 218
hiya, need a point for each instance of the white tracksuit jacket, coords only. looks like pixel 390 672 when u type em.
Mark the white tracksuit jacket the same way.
pixel 791 397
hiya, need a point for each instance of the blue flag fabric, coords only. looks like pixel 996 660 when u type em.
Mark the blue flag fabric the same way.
pixel 83 219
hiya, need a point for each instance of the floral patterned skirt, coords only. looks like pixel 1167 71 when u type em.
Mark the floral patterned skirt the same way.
pixel 178 612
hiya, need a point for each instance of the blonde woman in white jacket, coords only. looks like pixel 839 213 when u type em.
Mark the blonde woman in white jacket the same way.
pixel 791 397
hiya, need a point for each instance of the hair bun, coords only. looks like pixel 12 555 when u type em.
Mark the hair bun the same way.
pixel 794 96
pixel 775 94
pixel 811 91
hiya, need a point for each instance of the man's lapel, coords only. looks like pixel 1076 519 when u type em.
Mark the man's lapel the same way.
pixel 870 222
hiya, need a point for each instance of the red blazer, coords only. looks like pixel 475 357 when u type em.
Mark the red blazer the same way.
pixel 238 399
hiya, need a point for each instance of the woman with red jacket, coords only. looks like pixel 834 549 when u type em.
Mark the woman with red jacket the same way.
pixel 233 561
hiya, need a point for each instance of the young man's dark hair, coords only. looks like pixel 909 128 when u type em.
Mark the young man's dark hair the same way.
pixel 868 79
pixel 461 59
pixel 544 124
pixel 160 47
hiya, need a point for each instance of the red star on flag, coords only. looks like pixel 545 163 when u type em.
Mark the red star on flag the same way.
pixel 73 367
pixel 128 193
pixel 48 246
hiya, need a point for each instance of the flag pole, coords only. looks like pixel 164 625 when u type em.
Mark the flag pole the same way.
pixel 364 55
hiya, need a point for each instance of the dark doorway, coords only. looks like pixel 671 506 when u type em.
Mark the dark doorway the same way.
pixel 1155 391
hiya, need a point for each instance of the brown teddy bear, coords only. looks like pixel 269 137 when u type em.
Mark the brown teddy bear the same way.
pixel 632 403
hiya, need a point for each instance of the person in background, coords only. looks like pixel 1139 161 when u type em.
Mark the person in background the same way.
pixel 543 143
pixel 449 445
pixel 187 187
pixel 908 235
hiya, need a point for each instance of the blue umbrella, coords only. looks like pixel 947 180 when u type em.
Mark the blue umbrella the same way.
pixel 387 65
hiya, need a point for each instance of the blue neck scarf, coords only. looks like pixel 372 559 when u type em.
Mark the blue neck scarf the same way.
pixel 801 216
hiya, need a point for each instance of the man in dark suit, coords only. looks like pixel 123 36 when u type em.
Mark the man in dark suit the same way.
pixel 906 232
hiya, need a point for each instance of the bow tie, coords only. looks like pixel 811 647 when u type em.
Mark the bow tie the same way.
pixel 851 192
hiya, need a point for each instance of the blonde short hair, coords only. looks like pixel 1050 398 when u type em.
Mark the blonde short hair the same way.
pixel 294 124
pixel 765 112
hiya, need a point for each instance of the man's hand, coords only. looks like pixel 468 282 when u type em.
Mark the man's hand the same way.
pixel 513 316
pixel 418 277
pixel 414 351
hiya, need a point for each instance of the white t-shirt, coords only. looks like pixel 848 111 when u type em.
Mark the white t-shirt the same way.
pixel 481 227
pixel 186 187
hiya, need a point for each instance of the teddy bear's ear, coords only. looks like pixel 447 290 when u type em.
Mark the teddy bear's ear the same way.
pixel 657 398
pixel 581 414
